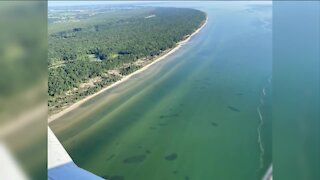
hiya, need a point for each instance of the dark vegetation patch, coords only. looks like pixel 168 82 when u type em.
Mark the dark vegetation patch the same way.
pixel 171 157
pixel 233 109
pixel 77 29
pixel 214 124
pixel 148 151
pixel 186 178
pixel 175 172
pixel 135 159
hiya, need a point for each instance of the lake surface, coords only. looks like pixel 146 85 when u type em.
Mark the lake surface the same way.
pixel 202 113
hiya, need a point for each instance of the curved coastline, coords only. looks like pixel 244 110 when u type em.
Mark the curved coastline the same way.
pixel 125 78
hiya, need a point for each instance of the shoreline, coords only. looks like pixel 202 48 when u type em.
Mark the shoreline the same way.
pixel 125 78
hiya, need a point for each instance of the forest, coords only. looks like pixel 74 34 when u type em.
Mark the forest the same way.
pixel 90 53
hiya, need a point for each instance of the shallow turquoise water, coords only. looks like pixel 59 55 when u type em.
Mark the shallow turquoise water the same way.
pixel 194 115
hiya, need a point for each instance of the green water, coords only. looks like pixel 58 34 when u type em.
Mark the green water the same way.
pixel 192 116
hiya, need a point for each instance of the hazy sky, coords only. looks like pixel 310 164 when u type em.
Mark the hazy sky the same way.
pixel 73 3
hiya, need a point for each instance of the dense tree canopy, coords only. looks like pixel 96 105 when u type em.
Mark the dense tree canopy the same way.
pixel 90 50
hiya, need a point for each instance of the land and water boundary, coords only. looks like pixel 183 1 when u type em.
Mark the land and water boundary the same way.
pixel 125 78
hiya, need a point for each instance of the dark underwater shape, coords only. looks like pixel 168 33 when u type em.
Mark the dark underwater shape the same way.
pixel 148 151
pixel 196 109
pixel 171 157
pixel 233 109
pixel 134 159
pixel 214 124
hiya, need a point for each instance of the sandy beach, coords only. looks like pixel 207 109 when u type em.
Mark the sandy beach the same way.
pixel 125 78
